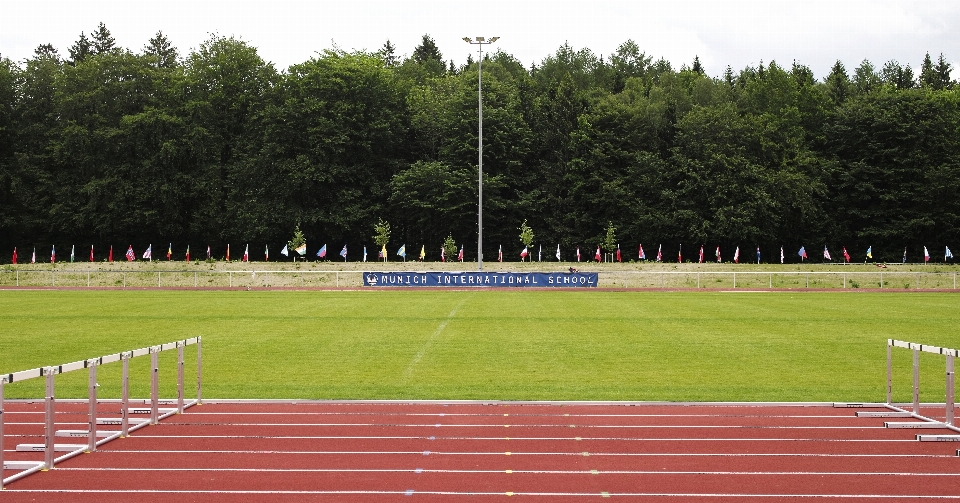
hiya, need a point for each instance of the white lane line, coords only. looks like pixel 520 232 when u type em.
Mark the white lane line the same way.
pixel 521 425
pixel 536 472
pixel 545 439
pixel 426 345
pixel 501 453
pixel 411 492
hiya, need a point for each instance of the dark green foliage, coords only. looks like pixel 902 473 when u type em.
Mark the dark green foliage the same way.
pixel 217 146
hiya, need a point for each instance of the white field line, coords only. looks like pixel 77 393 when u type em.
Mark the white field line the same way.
pixel 426 345
pixel 520 453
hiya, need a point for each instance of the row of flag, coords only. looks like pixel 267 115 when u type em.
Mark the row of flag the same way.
pixel 130 255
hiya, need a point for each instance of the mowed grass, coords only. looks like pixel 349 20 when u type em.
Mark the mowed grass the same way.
pixel 489 345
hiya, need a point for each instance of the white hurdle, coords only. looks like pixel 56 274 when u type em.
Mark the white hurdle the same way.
pixel 94 437
pixel 949 402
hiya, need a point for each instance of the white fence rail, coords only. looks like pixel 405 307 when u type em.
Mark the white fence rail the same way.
pixel 723 280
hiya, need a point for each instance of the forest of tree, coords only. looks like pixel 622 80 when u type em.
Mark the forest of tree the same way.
pixel 105 145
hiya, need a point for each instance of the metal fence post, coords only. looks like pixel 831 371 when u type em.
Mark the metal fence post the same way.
pixel 154 385
pixel 916 380
pixel 125 395
pixel 950 395
pixel 92 408
pixel 179 378
pixel 48 458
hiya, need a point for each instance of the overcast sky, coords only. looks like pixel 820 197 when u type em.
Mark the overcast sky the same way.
pixel 721 32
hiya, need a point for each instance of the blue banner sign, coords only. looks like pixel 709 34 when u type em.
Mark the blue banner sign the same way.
pixel 483 279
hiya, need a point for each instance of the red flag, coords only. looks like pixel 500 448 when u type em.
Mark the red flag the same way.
pixel 597 256
pixel 500 254
pixel 228 253
pixel 680 255
pixel 246 254
pixel 718 255
pixel 578 254
pixel 640 254
pixel 130 256
pixel 846 256
pixel 188 253
pixel 53 254
pixel 91 253
pixel 443 255
pixel 736 256
pixel 523 253
pixel 660 254
pixel 701 254
pixel 460 255
pixel 110 258
pixel 14 254
pixel 169 251
pixel 618 253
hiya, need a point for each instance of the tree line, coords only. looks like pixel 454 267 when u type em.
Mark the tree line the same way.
pixel 107 145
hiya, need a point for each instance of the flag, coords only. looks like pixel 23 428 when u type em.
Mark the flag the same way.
pixel 91 253
pixel 926 255
pixel 758 254
pixel 500 254
pixel 169 251
pixel 228 252
pixel 618 253
pixel 187 256
pixel 701 254
pixel 660 253
pixel 846 256
pixel 53 253
pixel 680 255
pixel 149 253
pixel 540 254
pixel 285 252
pixel 597 255
pixel 33 258
pixel 208 252
pixel 523 254
pixel 718 255
pixel 460 255
pixel 826 253
pixel 443 254
pixel 130 256
pixel 946 254
pixel 322 252
pixel 578 254
pixel 343 253
pixel 73 249
pixel 870 251
pixel 781 254
pixel 736 256
pixel 266 253
pixel 423 252
pixel 383 252
pixel 364 253
pixel 302 249
pixel 402 251
pixel 110 257
pixel 14 254
pixel 904 255
pixel 802 253
pixel 558 252
pixel 640 254
pixel 246 253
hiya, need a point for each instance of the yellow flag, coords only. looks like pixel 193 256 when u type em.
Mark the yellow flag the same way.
pixel 423 251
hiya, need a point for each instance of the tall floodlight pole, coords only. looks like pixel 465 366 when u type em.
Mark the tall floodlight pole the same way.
pixel 480 41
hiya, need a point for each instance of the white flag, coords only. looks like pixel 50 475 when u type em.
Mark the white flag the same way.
pixel 284 251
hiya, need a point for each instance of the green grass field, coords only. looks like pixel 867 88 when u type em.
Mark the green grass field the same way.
pixel 482 344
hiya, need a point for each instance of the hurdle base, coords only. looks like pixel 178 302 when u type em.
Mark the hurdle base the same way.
pixel 83 433
pixel 56 447
pixel 884 414
pixel 147 410
pixel 914 424
pixel 21 465
pixel 116 421
pixel 938 438
pixel 855 405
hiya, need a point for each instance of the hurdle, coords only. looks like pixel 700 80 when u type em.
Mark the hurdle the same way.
pixel 924 422
pixel 95 438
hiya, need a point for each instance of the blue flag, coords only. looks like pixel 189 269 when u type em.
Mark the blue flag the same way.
pixel 322 252
pixel 343 252
pixel 802 252
pixel 402 251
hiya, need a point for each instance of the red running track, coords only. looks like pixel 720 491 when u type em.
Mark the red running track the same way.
pixel 329 451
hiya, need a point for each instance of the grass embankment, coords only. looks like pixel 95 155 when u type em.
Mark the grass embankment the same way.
pixel 582 345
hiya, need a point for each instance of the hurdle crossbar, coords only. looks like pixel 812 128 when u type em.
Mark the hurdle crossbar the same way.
pixel 950 355
pixel 94 440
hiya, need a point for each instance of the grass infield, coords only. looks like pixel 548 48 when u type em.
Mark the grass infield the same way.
pixel 489 344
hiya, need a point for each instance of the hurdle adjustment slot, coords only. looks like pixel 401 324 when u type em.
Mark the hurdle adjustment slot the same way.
pixel 83 433
pixel 914 425
pixel 56 447
pixel 938 438
pixel 884 414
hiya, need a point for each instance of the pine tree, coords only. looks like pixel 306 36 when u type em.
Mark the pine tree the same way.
pixel 697 67
pixel 80 49
pixel 161 48
pixel 103 42
pixel 388 53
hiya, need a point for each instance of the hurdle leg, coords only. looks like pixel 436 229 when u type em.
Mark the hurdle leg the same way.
pixel 154 387
pixel 92 412
pixel 179 378
pixel 950 395
pixel 125 396
pixel 48 458
pixel 916 381
pixel 889 372
pixel 199 371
